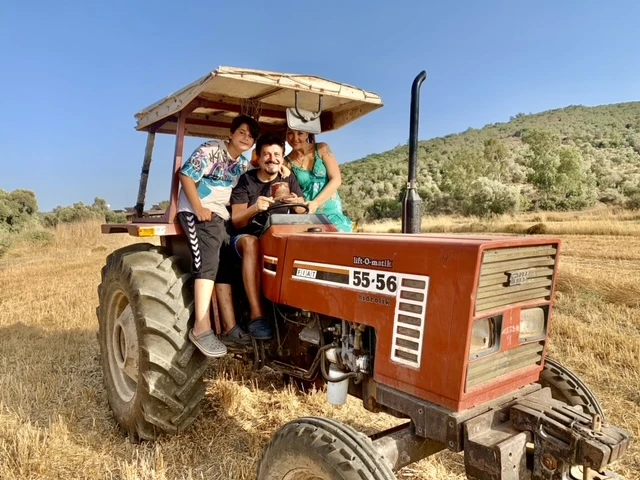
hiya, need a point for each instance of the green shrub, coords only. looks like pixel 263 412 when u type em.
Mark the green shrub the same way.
pixel 38 237
pixel 112 217
pixel 17 209
pixel 79 212
pixel 633 202
pixel 489 197
pixel 384 208
pixel 611 196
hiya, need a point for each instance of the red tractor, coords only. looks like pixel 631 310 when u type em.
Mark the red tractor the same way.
pixel 447 332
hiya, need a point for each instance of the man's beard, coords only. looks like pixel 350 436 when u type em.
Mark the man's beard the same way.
pixel 271 168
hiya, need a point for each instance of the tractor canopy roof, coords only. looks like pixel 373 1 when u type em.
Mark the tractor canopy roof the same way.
pixel 227 92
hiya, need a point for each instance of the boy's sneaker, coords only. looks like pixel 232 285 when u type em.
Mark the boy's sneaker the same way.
pixel 260 329
pixel 236 336
pixel 209 344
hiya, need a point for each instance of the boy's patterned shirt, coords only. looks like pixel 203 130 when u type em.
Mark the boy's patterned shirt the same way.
pixel 215 174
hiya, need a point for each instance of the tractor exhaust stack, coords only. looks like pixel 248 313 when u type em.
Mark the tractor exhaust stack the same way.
pixel 411 214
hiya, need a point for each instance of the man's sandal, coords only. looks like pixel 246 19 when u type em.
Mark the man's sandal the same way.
pixel 209 344
pixel 260 329
pixel 236 336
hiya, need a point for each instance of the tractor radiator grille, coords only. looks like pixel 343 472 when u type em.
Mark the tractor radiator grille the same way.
pixel 515 275
pixel 498 364
pixel 409 319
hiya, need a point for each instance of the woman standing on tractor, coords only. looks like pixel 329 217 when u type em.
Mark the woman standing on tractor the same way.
pixel 318 174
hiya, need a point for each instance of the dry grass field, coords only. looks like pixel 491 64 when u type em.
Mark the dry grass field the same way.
pixel 55 421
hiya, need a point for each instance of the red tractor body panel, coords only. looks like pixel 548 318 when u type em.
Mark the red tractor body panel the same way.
pixel 419 292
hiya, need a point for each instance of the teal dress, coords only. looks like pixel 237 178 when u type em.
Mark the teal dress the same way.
pixel 312 183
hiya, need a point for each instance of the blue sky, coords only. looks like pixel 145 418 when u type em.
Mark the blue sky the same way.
pixel 74 73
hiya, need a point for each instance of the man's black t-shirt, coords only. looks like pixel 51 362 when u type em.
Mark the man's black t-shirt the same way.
pixel 250 187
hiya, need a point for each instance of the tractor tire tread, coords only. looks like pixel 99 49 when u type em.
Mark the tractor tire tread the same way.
pixel 343 448
pixel 170 383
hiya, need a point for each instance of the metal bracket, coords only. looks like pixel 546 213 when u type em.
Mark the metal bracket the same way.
pixel 308 116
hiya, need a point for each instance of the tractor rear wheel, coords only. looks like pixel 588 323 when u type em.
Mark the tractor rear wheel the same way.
pixel 565 385
pixel 314 448
pixel 152 372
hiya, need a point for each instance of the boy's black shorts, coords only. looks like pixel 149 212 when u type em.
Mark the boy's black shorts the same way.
pixel 209 243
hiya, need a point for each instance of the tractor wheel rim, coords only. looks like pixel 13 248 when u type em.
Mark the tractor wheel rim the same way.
pixel 123 347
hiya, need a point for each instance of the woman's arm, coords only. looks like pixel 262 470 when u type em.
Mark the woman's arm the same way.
pixel 333 172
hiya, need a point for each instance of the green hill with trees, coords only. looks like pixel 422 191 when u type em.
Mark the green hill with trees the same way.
pixel 564 159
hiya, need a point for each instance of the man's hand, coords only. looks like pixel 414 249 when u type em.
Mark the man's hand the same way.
pixel 203 214
pixel 263 203
pixel 291 198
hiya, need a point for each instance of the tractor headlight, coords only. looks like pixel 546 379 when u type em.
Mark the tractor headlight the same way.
pixel 483 336
pixel 532 324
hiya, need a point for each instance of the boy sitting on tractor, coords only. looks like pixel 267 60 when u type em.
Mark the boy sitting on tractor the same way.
pixel 207 178
pixel 254 194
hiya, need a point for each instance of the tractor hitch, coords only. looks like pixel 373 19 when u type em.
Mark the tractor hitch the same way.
pixel 541 437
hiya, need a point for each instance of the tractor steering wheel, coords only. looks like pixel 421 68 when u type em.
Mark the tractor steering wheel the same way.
pixel 255 220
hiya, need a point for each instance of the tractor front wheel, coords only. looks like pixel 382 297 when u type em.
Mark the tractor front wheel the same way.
pixel 314 448
pixel 565 385
pixel 152 372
